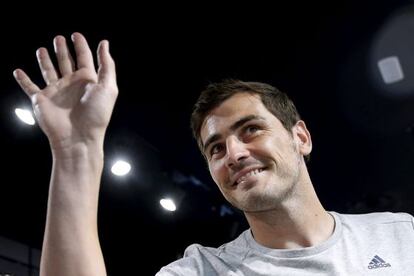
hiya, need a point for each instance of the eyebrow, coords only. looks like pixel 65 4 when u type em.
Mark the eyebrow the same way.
pixel 233 127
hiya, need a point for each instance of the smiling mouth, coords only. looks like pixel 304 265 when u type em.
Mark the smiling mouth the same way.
pixel 247 175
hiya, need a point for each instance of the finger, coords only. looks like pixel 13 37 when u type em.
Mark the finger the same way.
pixel 25 82
pixel 106 71
pixel 84 58
pixel 46 66
pixel 64 58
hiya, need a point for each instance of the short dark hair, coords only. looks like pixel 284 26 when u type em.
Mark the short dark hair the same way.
pixel 277 102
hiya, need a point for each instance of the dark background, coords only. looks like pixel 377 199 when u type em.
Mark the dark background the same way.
pixel 319 54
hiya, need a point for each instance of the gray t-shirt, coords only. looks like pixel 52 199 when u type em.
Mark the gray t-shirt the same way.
pixel 368 244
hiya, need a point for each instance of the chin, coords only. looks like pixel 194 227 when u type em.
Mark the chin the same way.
pixel 254 202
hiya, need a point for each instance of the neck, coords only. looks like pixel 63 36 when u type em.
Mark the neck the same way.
pixel 299 221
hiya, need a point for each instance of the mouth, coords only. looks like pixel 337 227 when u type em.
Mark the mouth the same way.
pixel 245 175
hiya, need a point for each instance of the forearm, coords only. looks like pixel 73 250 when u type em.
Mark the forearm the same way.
pixel 71 243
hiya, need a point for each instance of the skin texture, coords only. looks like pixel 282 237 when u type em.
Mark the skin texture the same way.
pixel 73 110
pixel 259 167
pixel 261 142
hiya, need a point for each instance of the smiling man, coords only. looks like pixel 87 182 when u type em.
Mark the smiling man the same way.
pixel 256 147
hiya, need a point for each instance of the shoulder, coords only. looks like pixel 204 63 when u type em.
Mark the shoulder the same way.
pixel 378 217
pixel 189 264
pixel 203 260
pixel 197 260
pixel 378 221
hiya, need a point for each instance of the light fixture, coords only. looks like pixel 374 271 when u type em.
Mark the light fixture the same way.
pixel 120 168
pixel 25 116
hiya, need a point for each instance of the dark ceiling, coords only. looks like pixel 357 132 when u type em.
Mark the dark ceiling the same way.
pixel 363 145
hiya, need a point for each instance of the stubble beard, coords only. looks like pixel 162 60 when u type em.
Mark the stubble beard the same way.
pixel 270 197
pixel 275 192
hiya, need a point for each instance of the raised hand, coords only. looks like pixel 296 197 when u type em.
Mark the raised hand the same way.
pixel 77 102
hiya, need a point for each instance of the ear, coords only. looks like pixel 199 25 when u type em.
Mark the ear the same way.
pixel 302 137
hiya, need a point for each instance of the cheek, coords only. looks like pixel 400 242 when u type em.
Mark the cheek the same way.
pixel 217 172
pixel 272 149
pixel 268 145
pixel 266 148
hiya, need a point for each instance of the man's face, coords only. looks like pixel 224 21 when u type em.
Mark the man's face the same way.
pixel 252 158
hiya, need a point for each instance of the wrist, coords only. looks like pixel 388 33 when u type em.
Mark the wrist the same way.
pixel 74 150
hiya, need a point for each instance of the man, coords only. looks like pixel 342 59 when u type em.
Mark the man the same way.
pixel 255 144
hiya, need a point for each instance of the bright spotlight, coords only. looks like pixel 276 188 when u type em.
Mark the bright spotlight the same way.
pixel 25 116
pixel 168 204
pixel 120 168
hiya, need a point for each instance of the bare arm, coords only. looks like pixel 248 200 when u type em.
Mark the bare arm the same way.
pixel 73 111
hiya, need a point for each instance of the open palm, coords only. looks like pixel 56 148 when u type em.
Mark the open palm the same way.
pixel 76 105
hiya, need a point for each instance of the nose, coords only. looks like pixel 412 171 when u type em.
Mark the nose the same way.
pixel 236 151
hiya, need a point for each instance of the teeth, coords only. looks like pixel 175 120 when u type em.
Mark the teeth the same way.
pixel 243 178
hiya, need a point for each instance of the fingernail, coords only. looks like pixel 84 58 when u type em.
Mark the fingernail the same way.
pixel 55 45
pixel 104 44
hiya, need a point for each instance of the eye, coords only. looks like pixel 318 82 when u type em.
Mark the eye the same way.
pixel 215 149
pixel 251 129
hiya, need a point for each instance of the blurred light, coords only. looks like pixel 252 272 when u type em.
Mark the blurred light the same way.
pixel 225 210
pixel 391 70
pixel 120 168
pixel 168 204
pixel 25 116
pixel 391 62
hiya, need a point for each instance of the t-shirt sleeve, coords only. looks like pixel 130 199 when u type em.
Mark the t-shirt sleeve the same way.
pixel 189 265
